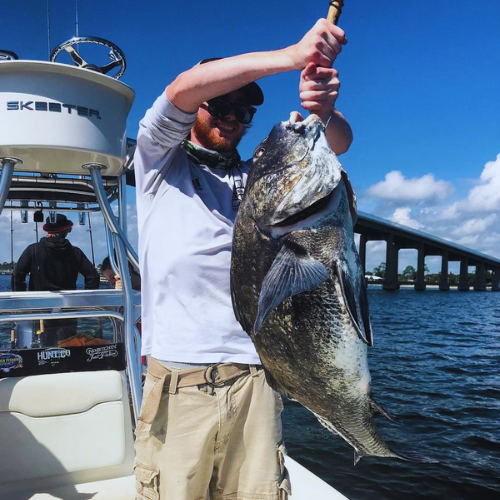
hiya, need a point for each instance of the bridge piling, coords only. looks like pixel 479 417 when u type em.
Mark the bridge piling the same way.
pixel 480 284
pixel 444 283
pixel 463 283
pixel 391 265
pixel 362 251
pixel 495 280
pixel 420 281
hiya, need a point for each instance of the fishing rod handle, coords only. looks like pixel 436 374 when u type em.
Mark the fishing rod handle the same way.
pixel 335 10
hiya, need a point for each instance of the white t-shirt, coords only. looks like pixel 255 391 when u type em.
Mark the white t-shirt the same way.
pixel 186 215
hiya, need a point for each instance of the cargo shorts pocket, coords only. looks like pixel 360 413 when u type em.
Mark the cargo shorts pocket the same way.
pixel 284 485
pixel 146 482
pixel 143 429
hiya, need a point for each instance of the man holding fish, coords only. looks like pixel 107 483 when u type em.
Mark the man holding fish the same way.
pixel 210 423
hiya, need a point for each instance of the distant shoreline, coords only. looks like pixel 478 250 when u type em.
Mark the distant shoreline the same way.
pixel 427 285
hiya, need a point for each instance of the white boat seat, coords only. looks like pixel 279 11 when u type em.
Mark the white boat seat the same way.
pixel 122 488
pixel 62 430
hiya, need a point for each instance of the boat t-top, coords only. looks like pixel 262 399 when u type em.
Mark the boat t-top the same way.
pixel 67 412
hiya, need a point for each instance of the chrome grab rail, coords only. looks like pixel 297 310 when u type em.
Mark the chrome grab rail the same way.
pixel 84 314
pixel 96 177
pixel 8 165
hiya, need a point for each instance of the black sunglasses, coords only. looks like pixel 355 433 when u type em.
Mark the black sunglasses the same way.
pixel 219 107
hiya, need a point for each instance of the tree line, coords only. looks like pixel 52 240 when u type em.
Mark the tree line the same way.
pixel 6 267
pixel 410 274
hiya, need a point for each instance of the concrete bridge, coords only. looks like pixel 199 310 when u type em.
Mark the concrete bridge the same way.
pixel 400 237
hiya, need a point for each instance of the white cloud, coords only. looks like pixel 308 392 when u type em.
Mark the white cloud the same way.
pixel 467 241
pixel 403 216
pixel 486 195
pixel 396 187
pixel 475 226
pixel 449 213
pixel 470 220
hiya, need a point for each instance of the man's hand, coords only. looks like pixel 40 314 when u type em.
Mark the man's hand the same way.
pixel 320 45
pixel 319 89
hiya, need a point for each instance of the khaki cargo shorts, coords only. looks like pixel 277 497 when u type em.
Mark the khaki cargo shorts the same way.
pixel 217 441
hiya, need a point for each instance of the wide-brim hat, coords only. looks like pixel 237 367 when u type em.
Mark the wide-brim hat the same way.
pixel 62 223
pixel 253 92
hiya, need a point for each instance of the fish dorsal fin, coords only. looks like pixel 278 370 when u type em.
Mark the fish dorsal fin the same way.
pixel 293 271
pixel 350 302
pixel 365 312
pixel 351 196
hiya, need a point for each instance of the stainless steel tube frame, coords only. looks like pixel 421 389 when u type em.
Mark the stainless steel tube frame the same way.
pixel 61 315
pixel 95 174
pixel 132 342
pixel 8 165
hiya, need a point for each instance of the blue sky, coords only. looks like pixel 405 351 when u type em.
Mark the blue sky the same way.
pixel 419 86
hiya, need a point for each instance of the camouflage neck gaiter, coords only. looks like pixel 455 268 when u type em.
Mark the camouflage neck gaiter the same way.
pixel 212 159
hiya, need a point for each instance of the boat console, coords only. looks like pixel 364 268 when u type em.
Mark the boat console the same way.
pixel 65 410
pixel 67 413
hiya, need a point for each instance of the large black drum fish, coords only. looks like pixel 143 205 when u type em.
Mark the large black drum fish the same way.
pixel 297 283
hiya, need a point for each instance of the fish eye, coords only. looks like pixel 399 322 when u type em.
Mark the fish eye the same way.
pixel 260 152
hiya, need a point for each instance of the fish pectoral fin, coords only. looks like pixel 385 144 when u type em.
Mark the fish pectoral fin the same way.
pixel 350 303
pixel 377 408
pixel 293 271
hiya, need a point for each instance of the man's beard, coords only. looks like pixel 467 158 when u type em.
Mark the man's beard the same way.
pixel 209 139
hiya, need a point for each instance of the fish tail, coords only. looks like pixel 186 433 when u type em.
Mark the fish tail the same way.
pixel 407 457
pixel 410 456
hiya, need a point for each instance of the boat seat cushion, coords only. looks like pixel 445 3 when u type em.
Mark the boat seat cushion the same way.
pixel 59 394
pixel 65 428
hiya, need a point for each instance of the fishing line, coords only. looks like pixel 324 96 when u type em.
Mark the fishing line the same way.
pixel 11 242
pixel 48 27
pixel 76 17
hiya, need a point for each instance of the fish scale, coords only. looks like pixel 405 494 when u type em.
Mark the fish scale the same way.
pixel 297 283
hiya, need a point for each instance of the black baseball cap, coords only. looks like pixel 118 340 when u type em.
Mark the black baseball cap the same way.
pixel 253 92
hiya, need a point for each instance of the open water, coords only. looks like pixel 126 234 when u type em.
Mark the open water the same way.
pixel 435 366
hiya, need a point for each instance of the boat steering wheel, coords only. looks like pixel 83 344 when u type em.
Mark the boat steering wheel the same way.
pixel 7 55
pixel 115 54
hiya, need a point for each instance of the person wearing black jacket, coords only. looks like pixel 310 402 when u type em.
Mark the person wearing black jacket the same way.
pixel 54 264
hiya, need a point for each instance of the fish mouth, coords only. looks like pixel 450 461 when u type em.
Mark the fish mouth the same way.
pixel 311 127
pixel 313 192
pixel 317 207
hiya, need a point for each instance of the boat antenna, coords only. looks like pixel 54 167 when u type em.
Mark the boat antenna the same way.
pixel 91 240
pixel 11 242
pixel 48 26
pixel 76 17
